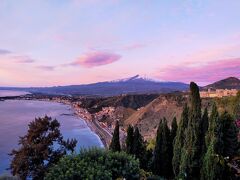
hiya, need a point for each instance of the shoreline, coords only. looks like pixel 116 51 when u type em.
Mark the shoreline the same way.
pixel 93 124
pixel 79 113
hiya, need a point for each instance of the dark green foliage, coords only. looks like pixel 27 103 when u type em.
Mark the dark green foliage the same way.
pixel 139 148
pixel 213 164
pixel 115 144
pixel 204 128
pixel 229 138
pixel 129 140
pixel 222 142
pixel 179 140
pixel 161 156
pixel 95 164
pixel 191 160
pixel 212 167
pixel 173 134
pixel 236 110
pixel 37 153
pixel 195 102
pixel 174 127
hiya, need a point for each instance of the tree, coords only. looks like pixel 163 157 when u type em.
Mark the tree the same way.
pixel 161 155
pixel 95 164
pixel 211 167
pixel 115 143
pixel 139 148
pixel 204 129
pixel 42 147
pixel 179 140
pixel 229 138
pixel 173 134
pixel 174 127
pixel 237 106
pixel 191 160
pixel 130 140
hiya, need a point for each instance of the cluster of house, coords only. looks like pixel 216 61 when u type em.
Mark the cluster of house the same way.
pixel 218 93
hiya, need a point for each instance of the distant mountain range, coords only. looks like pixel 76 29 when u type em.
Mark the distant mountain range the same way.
pixel 228 83
pixel 132 85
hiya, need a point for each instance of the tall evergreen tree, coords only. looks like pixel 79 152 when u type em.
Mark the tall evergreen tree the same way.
pixel 229 138
pixel 179 140
pixel 211 167
pixel 204 129
pixel 190 163
pixel 129 140
pixel 161 156
pixel 174 127
pixel 139 148
pixel 237 106
pixel 173 134
pixel 115 143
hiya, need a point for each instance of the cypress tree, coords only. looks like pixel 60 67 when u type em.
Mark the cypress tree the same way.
pixel 139 148
pixel 191 160
pixel 174 127
pixel 204 129
pixel 161 156
pixel 129 140
pixel 211 168
pixel 179 140
pixel 237 106
pixel 115 143
pixel 229 138
pixel 173 133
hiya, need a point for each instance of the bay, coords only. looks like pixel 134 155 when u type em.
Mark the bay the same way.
pixel 16 114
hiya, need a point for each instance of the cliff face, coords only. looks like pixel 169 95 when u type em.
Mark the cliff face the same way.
pixel 147 118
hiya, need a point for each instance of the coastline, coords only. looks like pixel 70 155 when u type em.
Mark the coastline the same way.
pixel 93 124
pixel 93 129
pixel 103 134
pixel 83 114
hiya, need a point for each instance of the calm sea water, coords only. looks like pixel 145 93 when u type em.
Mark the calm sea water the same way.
pixel 16 114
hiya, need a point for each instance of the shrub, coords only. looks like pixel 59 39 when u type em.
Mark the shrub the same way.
pixel 95 164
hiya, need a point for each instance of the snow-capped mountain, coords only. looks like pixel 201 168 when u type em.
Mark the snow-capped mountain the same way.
pixel 132 85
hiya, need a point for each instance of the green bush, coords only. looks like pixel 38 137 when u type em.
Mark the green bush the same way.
pixel 95 164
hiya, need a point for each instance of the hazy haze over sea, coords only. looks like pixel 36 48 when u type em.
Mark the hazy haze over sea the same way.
pixel 7 93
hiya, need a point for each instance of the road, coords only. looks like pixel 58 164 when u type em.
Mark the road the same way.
pixel 103 133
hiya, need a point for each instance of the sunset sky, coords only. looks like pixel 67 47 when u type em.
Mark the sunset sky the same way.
pixel 63 42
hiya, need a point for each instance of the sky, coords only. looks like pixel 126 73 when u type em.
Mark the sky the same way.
pixel 64 42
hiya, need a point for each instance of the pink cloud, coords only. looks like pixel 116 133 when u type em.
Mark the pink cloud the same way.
pixel 203 73
pixel 93 59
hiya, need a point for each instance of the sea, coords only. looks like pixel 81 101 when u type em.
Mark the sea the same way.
pixel 15 116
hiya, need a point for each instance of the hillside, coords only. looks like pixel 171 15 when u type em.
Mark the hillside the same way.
pixel 228 83
pixel 169 106
pixel 134 102
pixel 147 118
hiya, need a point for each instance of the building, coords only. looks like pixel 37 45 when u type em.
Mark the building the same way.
pixel 218 93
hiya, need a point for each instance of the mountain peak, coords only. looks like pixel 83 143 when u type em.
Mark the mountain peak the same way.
pixel 133 78
pixel 228 83
pixel 232 79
